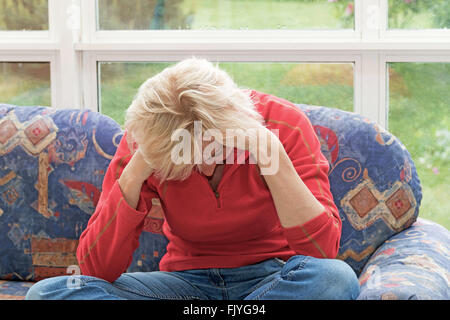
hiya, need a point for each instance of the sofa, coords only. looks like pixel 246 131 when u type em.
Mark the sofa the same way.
pixel 52 163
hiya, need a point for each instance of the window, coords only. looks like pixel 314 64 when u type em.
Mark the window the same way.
pixel 385 59
pixel 119 83
pixel 23 15
pixel 419 14
pixel 420 117
pixel 25 83
pixel 223 14
pixel 327 84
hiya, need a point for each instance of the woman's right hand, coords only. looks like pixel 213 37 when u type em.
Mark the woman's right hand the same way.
pixel 135 173
pixel 138 169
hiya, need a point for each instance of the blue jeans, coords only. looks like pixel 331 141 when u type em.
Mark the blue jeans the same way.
pixel 301 277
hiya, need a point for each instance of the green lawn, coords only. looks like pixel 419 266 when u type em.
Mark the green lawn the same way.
pixel 420 118
pixel 119 83
pixel 264 14
pixel 25 83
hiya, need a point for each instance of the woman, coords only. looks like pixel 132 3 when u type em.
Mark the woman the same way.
pixel 251 218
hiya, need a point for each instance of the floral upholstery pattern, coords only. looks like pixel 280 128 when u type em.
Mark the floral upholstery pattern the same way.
pixel 413 264
pixel 52 164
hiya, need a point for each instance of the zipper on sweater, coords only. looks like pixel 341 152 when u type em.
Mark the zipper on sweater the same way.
pixel 217 195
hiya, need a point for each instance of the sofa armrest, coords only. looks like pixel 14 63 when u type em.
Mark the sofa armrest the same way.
pixel 414 264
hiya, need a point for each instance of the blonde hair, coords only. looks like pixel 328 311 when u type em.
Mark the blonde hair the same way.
pixel 191 90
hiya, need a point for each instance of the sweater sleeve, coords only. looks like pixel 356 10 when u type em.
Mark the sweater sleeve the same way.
pixel 320 236
pixel 106 246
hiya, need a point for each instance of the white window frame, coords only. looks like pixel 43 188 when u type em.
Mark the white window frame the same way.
pixel 74 51
pixel 55 46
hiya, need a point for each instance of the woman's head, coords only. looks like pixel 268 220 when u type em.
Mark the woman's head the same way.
pixel 191 91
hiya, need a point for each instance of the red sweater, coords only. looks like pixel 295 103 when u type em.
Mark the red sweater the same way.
pixel 234 227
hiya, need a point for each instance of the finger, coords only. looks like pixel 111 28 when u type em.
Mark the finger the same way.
pixel 132 144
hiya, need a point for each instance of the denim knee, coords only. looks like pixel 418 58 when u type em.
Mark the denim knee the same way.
pixel 64 287
pixel 36 291
pixel 326 279
pixel 338 280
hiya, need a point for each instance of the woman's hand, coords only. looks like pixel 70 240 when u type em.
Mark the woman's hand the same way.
pixel 135 173
pixel 262 143
pixel 138 169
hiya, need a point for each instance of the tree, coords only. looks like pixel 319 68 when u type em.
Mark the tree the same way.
pixel 23 15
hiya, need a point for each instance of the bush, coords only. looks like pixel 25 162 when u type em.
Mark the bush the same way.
pixel 440 10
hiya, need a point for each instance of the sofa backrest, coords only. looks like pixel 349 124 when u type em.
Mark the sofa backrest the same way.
pixel 373 180
pixel 52 164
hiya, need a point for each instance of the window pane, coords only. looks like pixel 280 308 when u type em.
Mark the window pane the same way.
pixel 119 82
pixel 25 83
pixel 224 14
pixel 419 14
pixel 419 115
pixel 23 15
pixel 328 84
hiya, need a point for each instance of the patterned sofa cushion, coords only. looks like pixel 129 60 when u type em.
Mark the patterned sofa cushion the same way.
pixel 414 264
pixel 52 164
pixel 372 177
pixel 14 290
